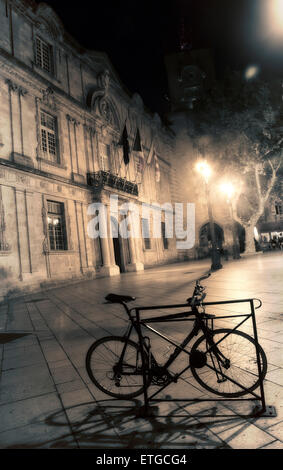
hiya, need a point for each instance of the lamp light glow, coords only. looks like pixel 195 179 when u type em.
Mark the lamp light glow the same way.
pixel 278 11
pixel 275 16
pixel 228 189
pixel 251 72
pixel 204 168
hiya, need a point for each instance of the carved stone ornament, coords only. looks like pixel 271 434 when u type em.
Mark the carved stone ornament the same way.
pixel 103 80
pixel 48 22
pixel 12 86
pixel 48 98
pixel 105 110
pixel 4 245
pixel 89 129
pixel 74 121
pixel 98 99
pixel 47 29
pixel 192 75
pixel 16 88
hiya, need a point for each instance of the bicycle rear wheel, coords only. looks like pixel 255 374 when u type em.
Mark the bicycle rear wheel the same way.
pixel 242 376
pixel 119 380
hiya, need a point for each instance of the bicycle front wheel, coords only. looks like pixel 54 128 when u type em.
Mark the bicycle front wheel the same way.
pixel 119 379
pixel 242 376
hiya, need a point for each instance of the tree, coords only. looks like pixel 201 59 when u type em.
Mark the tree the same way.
pixel 237 123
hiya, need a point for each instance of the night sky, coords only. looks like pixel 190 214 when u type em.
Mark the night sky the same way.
pixel 137 34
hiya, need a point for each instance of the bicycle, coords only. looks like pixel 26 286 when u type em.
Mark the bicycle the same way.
pixel 226 362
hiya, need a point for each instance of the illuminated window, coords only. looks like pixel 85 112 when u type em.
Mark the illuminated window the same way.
pixel 44 55
pixel 48 131
pixel 56 226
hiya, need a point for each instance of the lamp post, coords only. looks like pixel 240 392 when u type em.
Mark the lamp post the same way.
pixel 204 169
pixel 229 190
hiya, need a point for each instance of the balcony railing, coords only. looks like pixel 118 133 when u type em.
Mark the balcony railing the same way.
pixel 101 178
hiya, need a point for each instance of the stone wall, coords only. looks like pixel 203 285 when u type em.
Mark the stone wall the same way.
pixel 88 106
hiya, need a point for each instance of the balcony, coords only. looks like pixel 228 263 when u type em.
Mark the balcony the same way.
pixel 100 179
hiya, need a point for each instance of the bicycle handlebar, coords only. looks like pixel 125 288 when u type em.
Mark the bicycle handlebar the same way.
pixel 202 278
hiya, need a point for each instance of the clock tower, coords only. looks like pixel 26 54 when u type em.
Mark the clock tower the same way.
pixel 190 73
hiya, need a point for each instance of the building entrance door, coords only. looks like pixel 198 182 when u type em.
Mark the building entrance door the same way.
pixel 117 244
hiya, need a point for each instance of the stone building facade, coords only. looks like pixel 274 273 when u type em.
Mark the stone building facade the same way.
pixel 270 224
pixel 63 117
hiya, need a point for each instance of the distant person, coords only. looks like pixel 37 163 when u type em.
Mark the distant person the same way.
pixel 274 243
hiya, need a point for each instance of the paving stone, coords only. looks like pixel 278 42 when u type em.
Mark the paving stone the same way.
pixel 245 436
pixel 275 376
pixel 25 382
pixel 38 436
pixel 74 316
pixel 274 445
pixel 275 357
pixel 64 374
pixel 31 410
pixel 275 326
pixel 70 386
pixel 276 430
pixel 21 357
pixel 19 340
pixel 76 397
pixel 56 364
pixel 53 351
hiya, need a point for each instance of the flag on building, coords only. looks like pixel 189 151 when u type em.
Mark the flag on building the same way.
pixel 157 169
pixel 138 154
pixel 151 152
pixel 125 144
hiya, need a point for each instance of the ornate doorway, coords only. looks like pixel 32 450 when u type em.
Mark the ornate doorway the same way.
pixel 117 243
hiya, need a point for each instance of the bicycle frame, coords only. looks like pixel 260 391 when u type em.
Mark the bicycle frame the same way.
pixel 199 319
pixel 199 324
pixel 159 376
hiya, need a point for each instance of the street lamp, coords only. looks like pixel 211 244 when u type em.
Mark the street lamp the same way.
pixel 229 190
pixel 204 169
pixel 271 12
pixel 276 11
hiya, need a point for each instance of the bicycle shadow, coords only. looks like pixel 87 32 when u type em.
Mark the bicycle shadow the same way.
pixel 111 424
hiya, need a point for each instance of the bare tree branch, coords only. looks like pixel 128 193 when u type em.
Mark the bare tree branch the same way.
pixel 258 185
pixel 270 185
pixel 272 167
pixel 241 122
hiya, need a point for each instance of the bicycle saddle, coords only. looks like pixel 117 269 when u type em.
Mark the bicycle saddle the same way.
pixel 117 299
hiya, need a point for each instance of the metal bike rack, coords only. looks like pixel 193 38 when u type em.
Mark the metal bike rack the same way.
pixel 146 410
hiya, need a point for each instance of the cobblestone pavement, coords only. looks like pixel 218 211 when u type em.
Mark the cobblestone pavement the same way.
pixel 48 401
